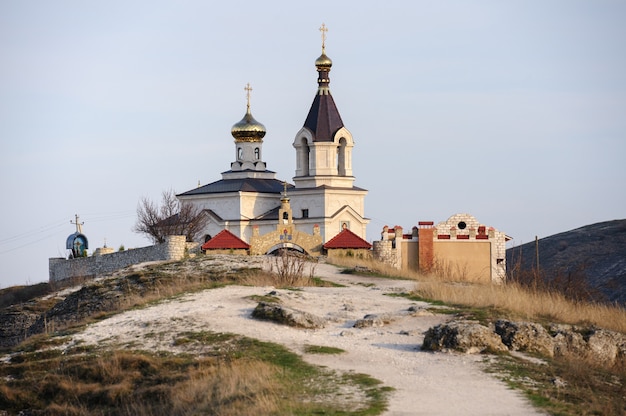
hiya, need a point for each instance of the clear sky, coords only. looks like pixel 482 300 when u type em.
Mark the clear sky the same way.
pixel 512 111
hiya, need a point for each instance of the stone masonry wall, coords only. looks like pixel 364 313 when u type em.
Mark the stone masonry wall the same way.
pixel 384 251
pixel 174 248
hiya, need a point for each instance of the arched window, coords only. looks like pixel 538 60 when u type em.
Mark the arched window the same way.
pixel 305 157
pixel 257 153
pixel 239 153
pixel 341 157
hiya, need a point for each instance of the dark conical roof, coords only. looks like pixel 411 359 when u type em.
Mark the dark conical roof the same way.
pixel 323 119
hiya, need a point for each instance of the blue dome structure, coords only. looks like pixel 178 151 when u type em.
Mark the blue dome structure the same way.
pixel 78 243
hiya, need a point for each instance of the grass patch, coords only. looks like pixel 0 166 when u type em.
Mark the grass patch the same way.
pixel 319 282
pixel 264 298
pixel 319 349
pixel 235 375
pixel 565 386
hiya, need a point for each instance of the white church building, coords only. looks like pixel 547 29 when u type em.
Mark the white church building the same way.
pixel 249 201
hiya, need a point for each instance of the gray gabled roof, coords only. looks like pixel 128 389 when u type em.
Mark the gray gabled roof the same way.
pixel 264 186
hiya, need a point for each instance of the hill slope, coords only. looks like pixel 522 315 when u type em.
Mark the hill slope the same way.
pixel 597 251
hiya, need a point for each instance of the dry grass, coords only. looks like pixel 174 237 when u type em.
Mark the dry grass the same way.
pixel 376 267
pixel 525 303
pixel 517 300
pixel 229 389
pixel 135 383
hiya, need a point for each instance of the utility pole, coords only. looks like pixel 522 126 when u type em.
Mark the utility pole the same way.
pixel 537 253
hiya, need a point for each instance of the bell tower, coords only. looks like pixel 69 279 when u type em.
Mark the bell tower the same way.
pixel 324 191
pixel 323 145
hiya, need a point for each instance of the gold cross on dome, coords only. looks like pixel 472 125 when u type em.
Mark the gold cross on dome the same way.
pixel 248 88
pixel 323 29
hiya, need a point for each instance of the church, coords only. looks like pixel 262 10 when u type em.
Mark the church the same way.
pixel 250 211
pixel 261 211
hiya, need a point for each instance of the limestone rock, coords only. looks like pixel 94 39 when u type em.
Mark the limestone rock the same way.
pixel 525 336
pixel 568 341
pixel 373 320
pixel 88 301
pixel 465 336
pixel 14 326
pixel 287 316
pixel 607 347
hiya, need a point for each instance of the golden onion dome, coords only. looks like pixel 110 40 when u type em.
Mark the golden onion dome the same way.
pixel 248 129
pixel 323 62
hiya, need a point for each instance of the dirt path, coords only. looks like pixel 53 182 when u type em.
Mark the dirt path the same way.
pixel 425 383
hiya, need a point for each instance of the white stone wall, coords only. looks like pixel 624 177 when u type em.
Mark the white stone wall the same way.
pixel 174 248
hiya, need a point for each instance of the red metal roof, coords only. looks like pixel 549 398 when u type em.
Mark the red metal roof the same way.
pixel 347 239
pixel 225 240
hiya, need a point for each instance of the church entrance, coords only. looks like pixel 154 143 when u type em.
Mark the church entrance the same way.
pixel 278 249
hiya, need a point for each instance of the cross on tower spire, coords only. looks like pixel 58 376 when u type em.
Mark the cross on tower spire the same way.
pixel 323 29
pixel 248 88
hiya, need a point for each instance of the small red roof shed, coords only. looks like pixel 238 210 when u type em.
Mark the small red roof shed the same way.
pixel 225 240
pixel 347 239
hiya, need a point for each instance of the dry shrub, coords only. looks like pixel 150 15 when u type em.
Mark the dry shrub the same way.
pixel 574 284
pixel 526 303
pixel 292 269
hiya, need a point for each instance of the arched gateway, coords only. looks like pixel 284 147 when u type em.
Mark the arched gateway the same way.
pixel 286 236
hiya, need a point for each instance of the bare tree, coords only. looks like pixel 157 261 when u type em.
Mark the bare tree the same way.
pixel 170 218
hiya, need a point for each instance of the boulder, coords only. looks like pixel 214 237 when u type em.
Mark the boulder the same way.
pixel 607 347
pixel 465 336
pixel 287 316
pixel 568 341
pixel 373 320
pixel 525 336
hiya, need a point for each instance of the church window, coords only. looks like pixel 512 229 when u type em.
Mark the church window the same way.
pixel 239 153
pixel 285 217
pixel 257 153
pixel 305 157
pixel 305 213
pixel 341 157
pixel 462 225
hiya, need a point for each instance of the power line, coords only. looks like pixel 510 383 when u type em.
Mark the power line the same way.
pixel 32 233
pixel 97 217
pixel 30 243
